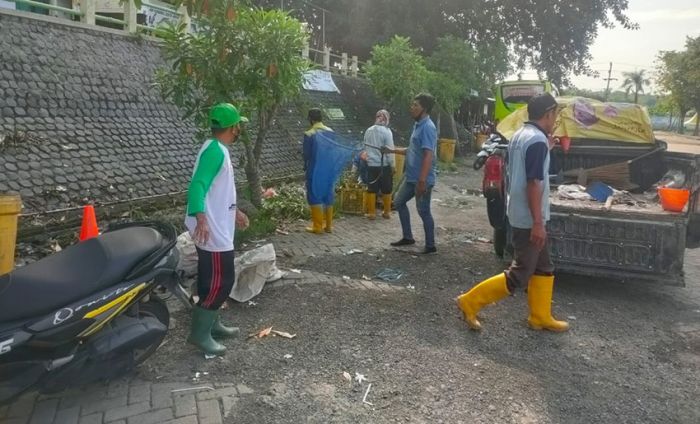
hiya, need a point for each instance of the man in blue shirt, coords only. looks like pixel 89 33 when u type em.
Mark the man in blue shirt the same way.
pixel 528 213
pixel 419 177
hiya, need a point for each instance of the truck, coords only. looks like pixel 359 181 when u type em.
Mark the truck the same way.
pixel 634 239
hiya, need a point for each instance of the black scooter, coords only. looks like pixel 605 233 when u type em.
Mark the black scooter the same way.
pixel 87 313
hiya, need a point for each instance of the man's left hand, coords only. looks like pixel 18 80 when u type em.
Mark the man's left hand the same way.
pixel 421 188
pixel 242 221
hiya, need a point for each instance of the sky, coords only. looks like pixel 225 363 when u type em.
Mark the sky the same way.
pixel 663 25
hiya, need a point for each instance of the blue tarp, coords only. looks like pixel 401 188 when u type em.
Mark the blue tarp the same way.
pixel 332 153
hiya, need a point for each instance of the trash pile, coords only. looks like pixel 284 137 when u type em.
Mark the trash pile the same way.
pixel 668 192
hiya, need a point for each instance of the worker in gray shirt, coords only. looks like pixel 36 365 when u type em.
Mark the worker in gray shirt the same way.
pixel 381 166
pixel 528 213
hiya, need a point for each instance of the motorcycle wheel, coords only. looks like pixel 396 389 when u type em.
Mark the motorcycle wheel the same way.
pixel 499 241
pixel 478 163
pixel 153 308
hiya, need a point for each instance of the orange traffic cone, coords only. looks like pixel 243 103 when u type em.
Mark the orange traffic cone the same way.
pixel 89 228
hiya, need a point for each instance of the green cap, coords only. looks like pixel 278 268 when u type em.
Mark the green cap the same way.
pixel 225 115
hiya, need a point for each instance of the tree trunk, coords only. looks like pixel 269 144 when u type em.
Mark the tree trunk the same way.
pixel 453 124
pixel 636 96
pixel 252 173
pixel 253 154
pixel 681 124
pixel 697 124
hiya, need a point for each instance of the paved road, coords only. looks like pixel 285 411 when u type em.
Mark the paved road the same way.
pixel 680 143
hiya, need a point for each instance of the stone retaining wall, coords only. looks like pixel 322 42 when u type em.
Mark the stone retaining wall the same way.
pixel 80 120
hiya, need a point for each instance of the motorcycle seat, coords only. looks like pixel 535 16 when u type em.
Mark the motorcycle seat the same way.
pixel 75 272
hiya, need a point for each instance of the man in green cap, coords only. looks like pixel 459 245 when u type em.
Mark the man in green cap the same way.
pixel 211 214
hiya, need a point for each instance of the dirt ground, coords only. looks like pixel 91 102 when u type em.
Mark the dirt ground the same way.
pixel 632 355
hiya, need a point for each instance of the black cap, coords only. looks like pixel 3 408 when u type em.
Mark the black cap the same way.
pixel 539 105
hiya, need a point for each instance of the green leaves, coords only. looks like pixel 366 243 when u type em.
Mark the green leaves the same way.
pixel 252 61
pixel 397 71
pixel 679 74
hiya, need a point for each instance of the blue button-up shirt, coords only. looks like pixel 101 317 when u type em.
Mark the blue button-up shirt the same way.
pixel 424 137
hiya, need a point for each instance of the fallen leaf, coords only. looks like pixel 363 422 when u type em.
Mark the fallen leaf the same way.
pixel 296 271
pixel 288 356
pixel 345 277
pixel 284 334
pixel 347 376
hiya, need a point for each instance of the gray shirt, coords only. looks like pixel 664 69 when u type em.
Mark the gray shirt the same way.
pixel 379 136
pixel 528 159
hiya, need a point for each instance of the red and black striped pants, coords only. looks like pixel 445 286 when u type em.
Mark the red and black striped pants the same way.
pixel 215 278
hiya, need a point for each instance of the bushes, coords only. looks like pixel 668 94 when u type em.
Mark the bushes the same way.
pixel 289 203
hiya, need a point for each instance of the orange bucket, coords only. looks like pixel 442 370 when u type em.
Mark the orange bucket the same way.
pixel 673 199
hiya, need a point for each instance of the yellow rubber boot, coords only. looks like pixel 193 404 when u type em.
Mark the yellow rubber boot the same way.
pixel 539 298
pixel 316 219
pixel 487 292
pixel 371 205
pixel 386 200
pixel 329 219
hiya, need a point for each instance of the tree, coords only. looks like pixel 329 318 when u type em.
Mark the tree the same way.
pixel 692 53
pixel 246 56
pixel 635 81
pixel 678 73
pixel 397 71
pixel 551 37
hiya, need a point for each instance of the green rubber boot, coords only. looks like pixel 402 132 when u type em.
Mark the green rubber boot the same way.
pixel 221 331
pixel 200 335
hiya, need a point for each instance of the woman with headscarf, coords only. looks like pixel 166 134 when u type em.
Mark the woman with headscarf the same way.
pixel 381 166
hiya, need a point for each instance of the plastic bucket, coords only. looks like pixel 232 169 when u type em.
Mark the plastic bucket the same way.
pixel 10 206
pixel 399 159
pixel 673 199
pixel 446 150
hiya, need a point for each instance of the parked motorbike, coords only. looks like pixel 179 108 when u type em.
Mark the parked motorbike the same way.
pixel 493 156
pixel 488 149
pixel 87 313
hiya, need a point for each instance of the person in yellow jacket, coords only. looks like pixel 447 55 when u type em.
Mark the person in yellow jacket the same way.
pixel 528 213
pixel 319 194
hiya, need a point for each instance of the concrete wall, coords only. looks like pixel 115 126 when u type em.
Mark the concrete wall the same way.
pixel 80 120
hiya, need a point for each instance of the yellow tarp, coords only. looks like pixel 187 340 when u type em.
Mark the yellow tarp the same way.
pixel 591 119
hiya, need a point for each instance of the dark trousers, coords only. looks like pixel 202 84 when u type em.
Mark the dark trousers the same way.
pixel 527 260
pixel 381 179
pixel 215 278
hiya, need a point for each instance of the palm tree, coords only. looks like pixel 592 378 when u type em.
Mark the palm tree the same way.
pixel 635 81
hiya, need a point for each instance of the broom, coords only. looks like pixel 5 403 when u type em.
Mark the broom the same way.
pixel 638 173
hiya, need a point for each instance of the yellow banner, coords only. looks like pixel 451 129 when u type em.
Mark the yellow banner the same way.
pixel 581 118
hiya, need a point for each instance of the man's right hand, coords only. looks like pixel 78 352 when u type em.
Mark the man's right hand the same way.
pixel 538 235
pixel 201 231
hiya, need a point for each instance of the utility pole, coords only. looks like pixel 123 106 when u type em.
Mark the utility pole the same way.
pixel 608 79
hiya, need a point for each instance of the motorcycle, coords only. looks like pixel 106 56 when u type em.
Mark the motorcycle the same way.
pixel 488 149
pixel 88 313
pixel 493 159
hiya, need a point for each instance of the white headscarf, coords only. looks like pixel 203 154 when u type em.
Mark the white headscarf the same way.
pixel 382 118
